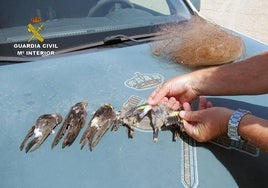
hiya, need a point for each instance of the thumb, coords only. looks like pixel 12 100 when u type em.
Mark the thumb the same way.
pixel 190 120
pixel 190 115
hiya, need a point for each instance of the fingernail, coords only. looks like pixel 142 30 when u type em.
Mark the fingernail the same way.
pixel 150 101
pixel 182 114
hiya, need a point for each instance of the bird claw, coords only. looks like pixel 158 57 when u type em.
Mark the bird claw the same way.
pixel 42 128
pixel 101 121
pixel 72 124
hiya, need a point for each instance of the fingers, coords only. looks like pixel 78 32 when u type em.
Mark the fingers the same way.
pixel 173 103
pixel 188 128
pixel 177 87
pixel 161 94
pixel 164 100
pixel 209 104
pixel 203 103
pixel 194 125
pixel 158 94
pixel 175 97
pixel 190 123
pixel 190 116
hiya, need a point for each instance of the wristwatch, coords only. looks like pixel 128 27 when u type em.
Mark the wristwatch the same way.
pixel 234 123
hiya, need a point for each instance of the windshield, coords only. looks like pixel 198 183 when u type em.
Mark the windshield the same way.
pixel 44 27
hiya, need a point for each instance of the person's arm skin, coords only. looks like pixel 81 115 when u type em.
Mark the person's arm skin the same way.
pixel 254 130
pixel 246 77
pixel 206 124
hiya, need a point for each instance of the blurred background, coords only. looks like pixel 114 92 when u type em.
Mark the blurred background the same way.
pixel 249 17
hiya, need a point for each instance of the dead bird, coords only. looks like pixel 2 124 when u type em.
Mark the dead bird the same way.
pixel 162 117
pixel 42 128
pixel 101 121
pixel 73 123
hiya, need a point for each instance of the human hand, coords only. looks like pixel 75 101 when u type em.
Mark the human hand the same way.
pixel 175 91
pixel 206 123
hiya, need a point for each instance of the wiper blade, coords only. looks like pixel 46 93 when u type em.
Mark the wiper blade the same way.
pixel 110 40
pixel 115 39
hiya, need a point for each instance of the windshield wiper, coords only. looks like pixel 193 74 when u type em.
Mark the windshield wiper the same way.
pixel 115 39
pixel 111 40
pixel 107 41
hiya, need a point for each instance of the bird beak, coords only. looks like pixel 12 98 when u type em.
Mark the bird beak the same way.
pixel 84 104
pixel 146 109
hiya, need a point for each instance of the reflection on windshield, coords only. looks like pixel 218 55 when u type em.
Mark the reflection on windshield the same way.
pixel 50 21
pixel 18 12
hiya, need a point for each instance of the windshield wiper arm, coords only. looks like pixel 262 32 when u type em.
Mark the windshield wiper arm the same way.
pixel 110 40
pixel 115 39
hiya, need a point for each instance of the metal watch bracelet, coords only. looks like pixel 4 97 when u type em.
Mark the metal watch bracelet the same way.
pixel 234 123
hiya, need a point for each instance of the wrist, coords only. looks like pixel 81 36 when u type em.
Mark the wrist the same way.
pixel 196 81
pixel 201 82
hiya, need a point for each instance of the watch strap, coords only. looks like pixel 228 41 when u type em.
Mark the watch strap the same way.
pixel 234 123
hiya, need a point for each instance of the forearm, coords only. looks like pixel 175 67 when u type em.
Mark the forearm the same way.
pixel 255 131
pixel 246 77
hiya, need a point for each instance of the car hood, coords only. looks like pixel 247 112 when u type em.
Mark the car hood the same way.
pixel 112 76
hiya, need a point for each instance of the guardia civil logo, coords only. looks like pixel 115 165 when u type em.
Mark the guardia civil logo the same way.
pixel 34 27
pixel 35 45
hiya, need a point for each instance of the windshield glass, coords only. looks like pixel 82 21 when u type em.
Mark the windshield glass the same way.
pixel 54 25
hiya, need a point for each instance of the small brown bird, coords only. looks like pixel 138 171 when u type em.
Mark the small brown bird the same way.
pixel 73 123
pixel 161 116
pixel 102 119
pixel 125 116
pixel 42 128
pixel 175 124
